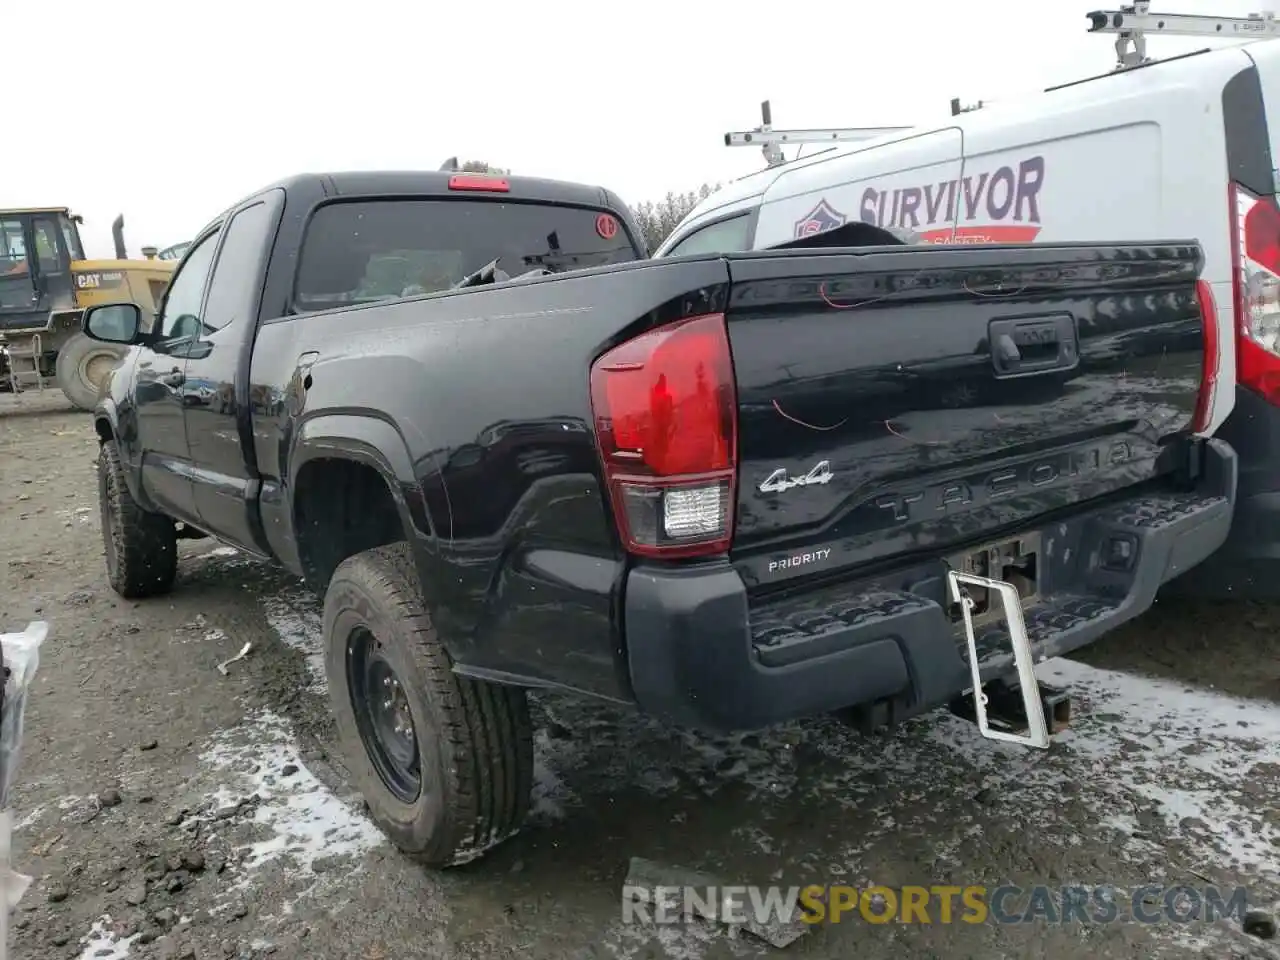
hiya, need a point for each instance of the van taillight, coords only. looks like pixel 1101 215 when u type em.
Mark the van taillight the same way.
pixel 1256 268
pixel 666 417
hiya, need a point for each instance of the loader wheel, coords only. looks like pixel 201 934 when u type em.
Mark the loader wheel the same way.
pixel 141 547
pixel 82 366
pixel 445 762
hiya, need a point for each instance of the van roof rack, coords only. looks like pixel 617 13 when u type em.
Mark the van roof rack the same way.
pixel 1132 24
pixel 770 140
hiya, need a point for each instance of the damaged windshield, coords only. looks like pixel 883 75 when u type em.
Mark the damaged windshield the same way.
pixel 358 252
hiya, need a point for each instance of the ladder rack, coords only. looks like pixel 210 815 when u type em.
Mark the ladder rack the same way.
pixel 1132 24
pixel 770 140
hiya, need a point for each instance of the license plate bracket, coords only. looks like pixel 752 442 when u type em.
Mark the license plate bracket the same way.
pixel 959 584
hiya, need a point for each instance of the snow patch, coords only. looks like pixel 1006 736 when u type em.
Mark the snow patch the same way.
pixel 685 941
pixel 550 795
pixel 31 819
pixel 305 820
pixel 1149 758
pixel 81 515
pixel 101 943
pixel 1208 762
pixel 296 619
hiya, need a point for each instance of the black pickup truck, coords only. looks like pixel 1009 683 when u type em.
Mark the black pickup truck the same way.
pixel 726 489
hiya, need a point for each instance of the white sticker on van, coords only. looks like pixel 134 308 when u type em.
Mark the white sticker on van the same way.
pixel 992 206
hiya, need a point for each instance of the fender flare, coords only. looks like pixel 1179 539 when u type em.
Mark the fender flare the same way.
pixel 366 439
pixel 107 411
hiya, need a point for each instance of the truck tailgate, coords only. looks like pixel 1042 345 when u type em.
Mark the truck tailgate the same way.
pixel 895 401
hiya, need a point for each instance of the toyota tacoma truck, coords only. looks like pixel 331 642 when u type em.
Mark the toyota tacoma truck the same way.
pixel 513 453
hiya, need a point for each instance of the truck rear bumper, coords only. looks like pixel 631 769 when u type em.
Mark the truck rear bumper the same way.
pixel 701 654
pixel 1248 565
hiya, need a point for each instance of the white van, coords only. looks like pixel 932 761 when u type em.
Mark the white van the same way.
pixel 1177 149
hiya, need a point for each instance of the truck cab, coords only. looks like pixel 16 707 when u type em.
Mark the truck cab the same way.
pixel 37 248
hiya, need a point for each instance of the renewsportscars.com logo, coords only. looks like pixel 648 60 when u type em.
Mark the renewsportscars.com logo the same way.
pixel 945 904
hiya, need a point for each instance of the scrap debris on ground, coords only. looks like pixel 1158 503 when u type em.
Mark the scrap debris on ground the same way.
pixel 177 799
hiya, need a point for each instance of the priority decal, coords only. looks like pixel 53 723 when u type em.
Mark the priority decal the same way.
pixel 820 219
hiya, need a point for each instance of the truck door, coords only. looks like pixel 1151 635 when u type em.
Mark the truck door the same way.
pixel 35 269
pixel 161 391
pixel 912 183
pixel 53 262
pixel 225 487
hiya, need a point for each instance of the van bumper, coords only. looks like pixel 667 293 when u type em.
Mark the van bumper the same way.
pixel 701 654
pixel 1248 565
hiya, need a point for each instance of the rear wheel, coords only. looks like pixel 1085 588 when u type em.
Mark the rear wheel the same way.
pixel 82 366
pixel 445 763
pixel 141 548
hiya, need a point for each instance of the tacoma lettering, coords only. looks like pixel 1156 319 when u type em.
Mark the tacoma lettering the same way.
pixel 1034 475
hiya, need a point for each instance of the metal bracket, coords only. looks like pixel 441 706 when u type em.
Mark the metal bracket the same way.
pixel 1011 602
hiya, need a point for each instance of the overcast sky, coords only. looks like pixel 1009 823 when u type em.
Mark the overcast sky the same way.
pixel 170 112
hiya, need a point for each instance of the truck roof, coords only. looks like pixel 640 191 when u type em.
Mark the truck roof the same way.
pixel 429 182
pixel 36 210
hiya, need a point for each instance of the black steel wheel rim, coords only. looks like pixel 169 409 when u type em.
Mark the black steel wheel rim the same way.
pixel 383 717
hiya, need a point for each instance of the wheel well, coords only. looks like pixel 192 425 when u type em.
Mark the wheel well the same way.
pixel 340 508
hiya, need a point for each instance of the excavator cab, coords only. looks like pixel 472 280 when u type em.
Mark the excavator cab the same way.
pixel 37 247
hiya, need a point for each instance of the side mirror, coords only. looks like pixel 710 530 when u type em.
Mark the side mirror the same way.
pixel 113 322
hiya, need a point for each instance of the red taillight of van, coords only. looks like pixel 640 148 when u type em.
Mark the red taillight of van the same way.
pixel 1256 268
pixel 666 416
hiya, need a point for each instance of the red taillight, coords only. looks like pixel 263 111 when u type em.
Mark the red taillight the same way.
pixel 666 413
pixel 1255 258
pixel 1209 374
pixel 464 181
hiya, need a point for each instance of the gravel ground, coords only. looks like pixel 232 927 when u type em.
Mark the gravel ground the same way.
pixel 167 810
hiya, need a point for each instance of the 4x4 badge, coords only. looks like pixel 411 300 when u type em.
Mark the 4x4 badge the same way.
pixel 778 481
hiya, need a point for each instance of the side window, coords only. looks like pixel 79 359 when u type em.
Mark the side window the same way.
pixel 726 236
pixel 233 291
pixel 72 239
pixel 46 233
pixel 13 250
pixel 180 315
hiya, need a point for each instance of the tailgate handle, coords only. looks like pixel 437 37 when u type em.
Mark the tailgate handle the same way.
pixel 1025 346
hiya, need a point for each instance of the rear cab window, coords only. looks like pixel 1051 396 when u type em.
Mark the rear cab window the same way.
pixel 362 251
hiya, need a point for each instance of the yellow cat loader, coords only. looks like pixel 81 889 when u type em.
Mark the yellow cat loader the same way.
pixel 45 284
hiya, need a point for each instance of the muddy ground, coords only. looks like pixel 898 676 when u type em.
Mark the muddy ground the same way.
pixel 167 810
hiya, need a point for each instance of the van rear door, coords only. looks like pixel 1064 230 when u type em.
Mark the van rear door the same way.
pixel 912 183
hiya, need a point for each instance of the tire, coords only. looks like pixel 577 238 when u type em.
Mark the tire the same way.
pixel 79 366
pixel 141 548
pixel 473 741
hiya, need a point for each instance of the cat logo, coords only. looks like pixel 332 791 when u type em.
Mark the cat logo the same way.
pixel 97 280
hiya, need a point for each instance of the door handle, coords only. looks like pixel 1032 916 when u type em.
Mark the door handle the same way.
pixel 1024 346
pixel 174 378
